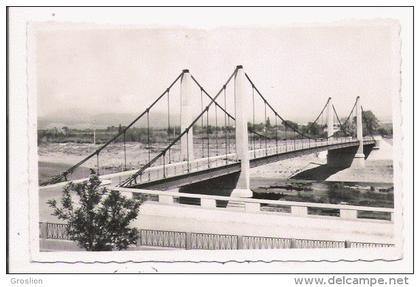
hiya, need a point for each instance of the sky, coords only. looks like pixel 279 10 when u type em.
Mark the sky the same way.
pixel 87 71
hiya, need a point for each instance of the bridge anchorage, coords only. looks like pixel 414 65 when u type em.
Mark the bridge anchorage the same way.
pixel 219 138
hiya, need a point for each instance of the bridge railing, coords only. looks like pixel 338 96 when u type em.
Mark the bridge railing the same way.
pixel 185 167
pixel 290 145
pixel 295 208
pixel 212 241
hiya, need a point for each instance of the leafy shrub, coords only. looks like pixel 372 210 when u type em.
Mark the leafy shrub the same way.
pixel 99 220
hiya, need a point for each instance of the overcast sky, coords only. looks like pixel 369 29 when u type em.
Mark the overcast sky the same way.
pixel 96 70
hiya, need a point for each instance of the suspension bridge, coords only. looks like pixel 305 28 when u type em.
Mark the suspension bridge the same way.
pixel 208 137
pixel 213 142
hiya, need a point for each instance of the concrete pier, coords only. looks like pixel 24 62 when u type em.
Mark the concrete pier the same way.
pixel 330 119
pixel 359 158
pixel 187 112
pixel 241 134
pixel 353 157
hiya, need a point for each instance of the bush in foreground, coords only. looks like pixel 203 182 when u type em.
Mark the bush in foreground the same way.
pixel 98 220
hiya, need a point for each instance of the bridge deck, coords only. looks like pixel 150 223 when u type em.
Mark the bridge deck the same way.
pixel 185 173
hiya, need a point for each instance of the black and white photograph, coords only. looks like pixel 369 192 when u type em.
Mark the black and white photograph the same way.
pixel 202 139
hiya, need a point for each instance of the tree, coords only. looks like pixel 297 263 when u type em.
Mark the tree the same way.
pixel 99 220
pixel 348 127
pixel 313 129
pixel 292 125
pixel 268 123
pixel 66 130
pixel 370 123
pixel 384 131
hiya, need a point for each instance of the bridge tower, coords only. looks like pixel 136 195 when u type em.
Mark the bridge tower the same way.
pixel 242 188
pixel 349 157
pixel 187 112
pixel 330 119
pixel 359 158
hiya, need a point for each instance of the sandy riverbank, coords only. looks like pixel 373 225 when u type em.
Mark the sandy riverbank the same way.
pixel 378 168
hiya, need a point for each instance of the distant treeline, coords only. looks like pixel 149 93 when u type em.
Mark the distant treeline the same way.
pixel 164 135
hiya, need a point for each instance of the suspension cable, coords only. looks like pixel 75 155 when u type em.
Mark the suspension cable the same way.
pixel 277 141
pixel 217 132
pixel 274 111
pixel 322 111
pixel 211 98
pixel 131 178
pixel 202 124
pixel 253 120
pixel 228 128
pixel 266 126
pixel 208 138
pixel 148 139
pixel 64 174
pixel 351 112
pixel 226 131
pixel 169 129
pixel 342 128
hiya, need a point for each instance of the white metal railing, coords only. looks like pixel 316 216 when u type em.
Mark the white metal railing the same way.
pixel 296 208
pixel 212 241
pixel 297 145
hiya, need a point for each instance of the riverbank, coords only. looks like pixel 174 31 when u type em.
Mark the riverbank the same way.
pixel 378 168
pixel 374 171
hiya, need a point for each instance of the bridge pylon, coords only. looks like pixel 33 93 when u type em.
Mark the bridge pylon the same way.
pixel 241 135
pixel 359 158
pixel 330 119
pixel 187 116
